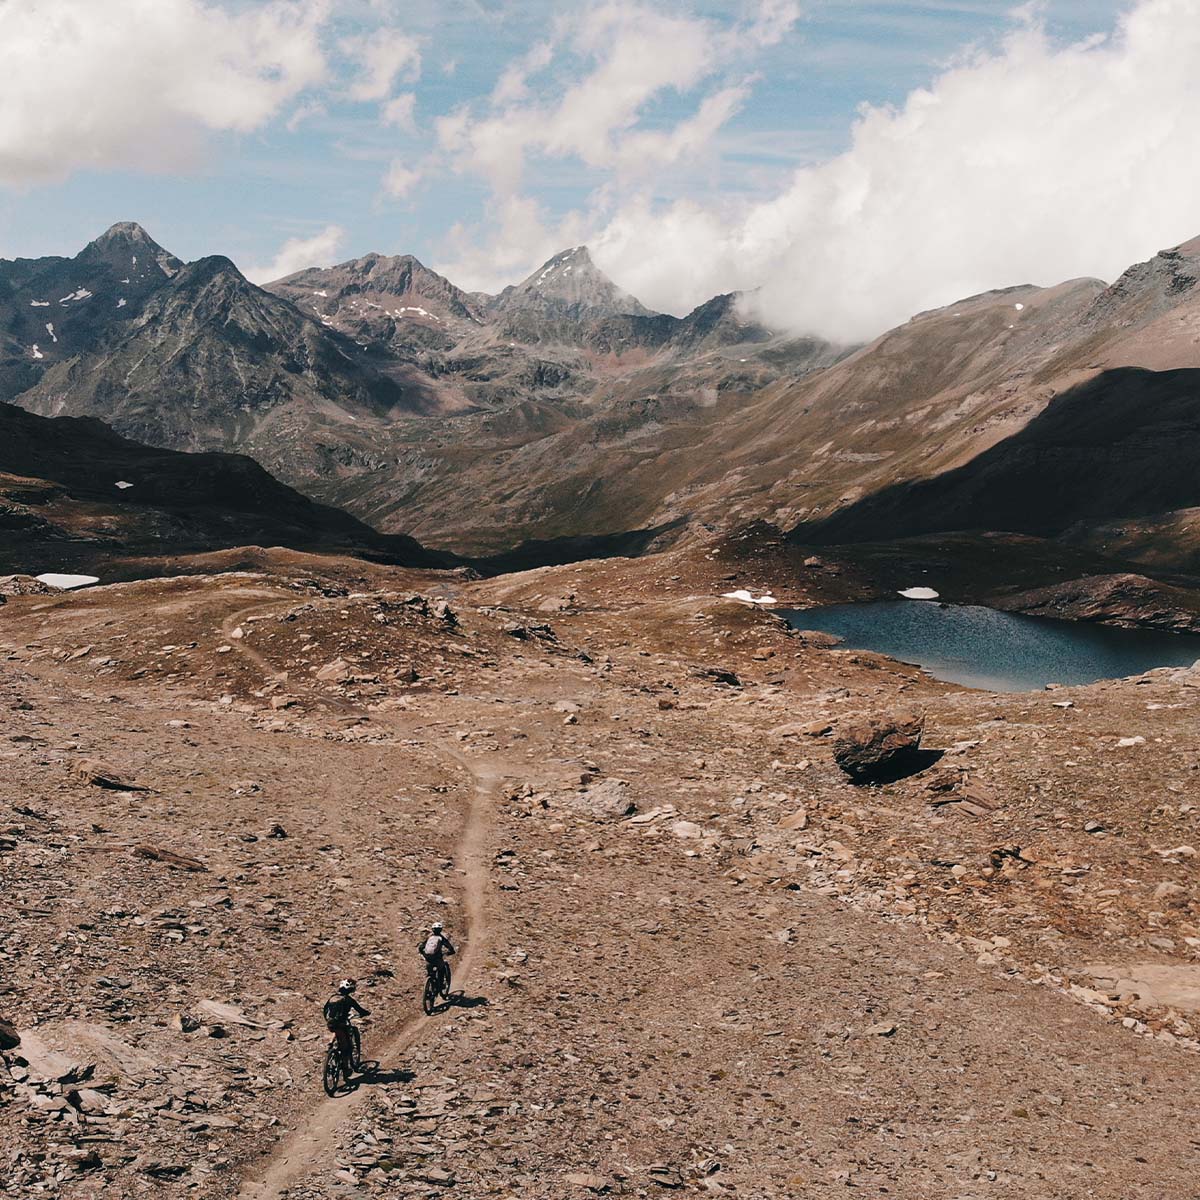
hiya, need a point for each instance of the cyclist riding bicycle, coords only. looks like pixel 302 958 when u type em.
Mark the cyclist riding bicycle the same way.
pixel 339 1009
pixel 435 948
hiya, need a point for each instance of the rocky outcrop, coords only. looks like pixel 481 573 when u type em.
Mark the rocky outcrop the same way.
pixel 879 748
pixel 1132 601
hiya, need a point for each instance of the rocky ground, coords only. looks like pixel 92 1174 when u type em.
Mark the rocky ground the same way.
pixel 695 958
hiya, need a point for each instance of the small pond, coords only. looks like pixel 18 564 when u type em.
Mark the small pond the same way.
pixel 998 651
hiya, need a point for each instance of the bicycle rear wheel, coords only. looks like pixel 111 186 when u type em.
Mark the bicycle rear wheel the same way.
pixel 332 1077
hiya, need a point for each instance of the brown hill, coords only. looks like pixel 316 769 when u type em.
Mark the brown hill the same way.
pixel 75 496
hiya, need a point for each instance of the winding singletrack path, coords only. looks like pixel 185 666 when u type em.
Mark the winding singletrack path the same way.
pixel 295 1155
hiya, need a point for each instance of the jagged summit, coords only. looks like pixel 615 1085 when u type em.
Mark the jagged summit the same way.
pixel 128 247
pixel 1156 286
pixel 571 284
pixel 360 287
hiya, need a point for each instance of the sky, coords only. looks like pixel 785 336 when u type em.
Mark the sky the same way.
pixel 846 163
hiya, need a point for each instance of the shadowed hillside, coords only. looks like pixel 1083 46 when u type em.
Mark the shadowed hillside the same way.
pixel 1123 445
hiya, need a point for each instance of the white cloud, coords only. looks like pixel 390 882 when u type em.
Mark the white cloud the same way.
pixel 1034 163
pixel 513 84
pixel 400 112
pixel 588 94
pixel 520 237
pixel 296 253
pixel 400 179
pixel 615 61
pixel 138 83
pixel 772 22
pixel 382 56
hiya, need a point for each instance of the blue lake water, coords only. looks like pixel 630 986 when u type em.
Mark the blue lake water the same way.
pixel 999 651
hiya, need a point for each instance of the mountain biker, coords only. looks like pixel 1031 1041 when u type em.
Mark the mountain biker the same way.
pixel 339 1009
pixel 435 948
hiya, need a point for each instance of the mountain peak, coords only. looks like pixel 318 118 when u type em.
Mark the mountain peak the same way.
pixel 212 267
pixel 125 231
pixel 125 244
pixel 370 284
pixel 571 282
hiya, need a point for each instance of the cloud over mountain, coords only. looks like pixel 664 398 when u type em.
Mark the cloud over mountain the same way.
pixel 296 253
pixel 1030 163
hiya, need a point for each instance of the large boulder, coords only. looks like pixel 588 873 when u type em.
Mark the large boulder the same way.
pixel 10 1039
pixel 879 748
pixel 607 801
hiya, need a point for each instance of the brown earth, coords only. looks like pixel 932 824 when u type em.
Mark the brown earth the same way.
pixel 766 982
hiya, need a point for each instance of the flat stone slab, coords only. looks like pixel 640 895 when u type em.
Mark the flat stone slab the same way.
pixel 1160 984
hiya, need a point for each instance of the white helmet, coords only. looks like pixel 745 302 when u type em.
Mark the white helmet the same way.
pixel 437 927
pixel 347 985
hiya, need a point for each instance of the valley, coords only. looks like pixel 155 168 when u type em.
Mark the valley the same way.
pixel 419 604
pixel 599 601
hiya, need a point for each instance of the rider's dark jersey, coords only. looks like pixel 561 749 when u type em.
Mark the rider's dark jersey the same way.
pixel 435 947
pixel 338 1009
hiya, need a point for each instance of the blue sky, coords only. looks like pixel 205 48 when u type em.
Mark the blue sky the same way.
pixel 249 191
pixel 255 128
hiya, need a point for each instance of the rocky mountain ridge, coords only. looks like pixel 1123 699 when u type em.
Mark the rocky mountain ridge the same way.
pixel 373 383
pixel 563 408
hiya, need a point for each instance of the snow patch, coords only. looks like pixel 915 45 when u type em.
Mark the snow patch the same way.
pixel 81 294
pixel 121 302
pixel 50 331
pixel 39 304
pixel 316 293
pixel 919 593
pixel 66 582
pixel 35 351
pixel 123 484
pixel 413 308
pixel 746 597
pixel 1018 307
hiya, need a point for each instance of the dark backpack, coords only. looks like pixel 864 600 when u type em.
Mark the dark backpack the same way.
pixel 337 1012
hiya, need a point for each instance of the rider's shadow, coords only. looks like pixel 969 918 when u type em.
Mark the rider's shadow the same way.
pixel 459 1000
pixel 372 1073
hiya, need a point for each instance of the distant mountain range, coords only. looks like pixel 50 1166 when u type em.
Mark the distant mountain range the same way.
pixel 564 408
pixel 375 384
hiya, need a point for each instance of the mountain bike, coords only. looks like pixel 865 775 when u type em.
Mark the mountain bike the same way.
pixel 437 985
pixel 338 1066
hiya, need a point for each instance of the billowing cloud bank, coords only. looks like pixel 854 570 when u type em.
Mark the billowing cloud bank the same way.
pixel 1034 163
pixel 138 83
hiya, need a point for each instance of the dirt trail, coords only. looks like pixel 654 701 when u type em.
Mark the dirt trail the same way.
pixel 295 1156
pixel 231 622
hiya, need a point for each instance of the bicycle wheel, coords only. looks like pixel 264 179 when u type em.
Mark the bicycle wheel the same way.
pixel 444 982
pixel 429 999
pixel 356 1049
pixel 333 1069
